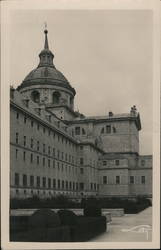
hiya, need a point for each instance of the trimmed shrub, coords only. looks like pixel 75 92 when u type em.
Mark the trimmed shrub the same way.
pixel 19 223
pixel 92 211
pixel 67 217
pixel 44 218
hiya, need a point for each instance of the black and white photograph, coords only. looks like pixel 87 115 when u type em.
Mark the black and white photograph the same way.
pixel 80 125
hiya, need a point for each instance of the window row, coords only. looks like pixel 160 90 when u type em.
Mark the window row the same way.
pixel 117 163
pixel 44 182
pixel 118 180
pixel 108 129
pixel 47 131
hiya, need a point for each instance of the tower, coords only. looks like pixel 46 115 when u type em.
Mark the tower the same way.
pixel 48 87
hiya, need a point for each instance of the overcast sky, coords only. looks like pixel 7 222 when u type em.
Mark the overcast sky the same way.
pixel 106 55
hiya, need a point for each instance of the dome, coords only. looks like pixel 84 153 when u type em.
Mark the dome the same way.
pixel 46 73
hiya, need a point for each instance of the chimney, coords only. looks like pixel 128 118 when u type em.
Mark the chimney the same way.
pixel 110 113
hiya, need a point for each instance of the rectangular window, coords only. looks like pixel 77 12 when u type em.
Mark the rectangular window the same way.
pixel 49 163
pixel 17 115
pixel 38 146
pixel 91 185
pixel 24 155
pixel 32 123
pixel 43 148
pixel 108 129
pixel 62 184
pixel 32 142
pixel 49 183
pixel 49 150
pixel 44 182
pixel 70 185
pixel 131 179
pixel 66 157
pixel 38 181
pixel 31 158
pixel 37 160
pixel 117 179
pixel 53 152
pixel 16 153
pixel 77 130
pixel 81 185
pixel 31 180
pixel 17 138
pixel 66 184
pixel 81 170
pixel 58 154
pixel 142 179
pixel 17 179
pixel 81 161
pixel 53 163
pixel 25 119
pixel 58 165
pixel 142 162
pixel 24 141
pixel 43 161
pixel 104 179
pixel 59 184
pixel 24 180
pixel 54 183
pixel 104 163
pixel 43 130
pixel 62 155
pixel 117 162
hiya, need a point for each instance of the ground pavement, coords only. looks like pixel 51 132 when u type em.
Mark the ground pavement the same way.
pixel 130 227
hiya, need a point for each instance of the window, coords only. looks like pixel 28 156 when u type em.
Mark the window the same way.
pixel 62 184
pixel 104 179
pixel 66 184
pixel 104 163
pixel 81 170
pixel 83 131
pixel 81 185
pixel 31 142
pixel 43 148
pixel 117 162
pixel 24 141
pixel 25 119
pixel 62 155
pixel 44 182
pixel 91 185
pixel 142 179
pixel 70 185
pixel 108 129
pixel 31 180
pixel 102 131
pixel 54 183
pixel 16 153
pixel 17 138
pixel 17 115
pixel 58 183
pixel 53 152
pixel 24 180
pixel 24 155
pixel 131 179
pixel 56 97
pixel 38 160
pixel 43 130
pixel 117 179
pixel 38 181
pixel 58 165
pixel 49 183
pixel 17 180
pixel 81 161
pixel 114 130
pixel 58 154
pixel 81 147
pixel 77 130
pixel 43 161
pixel 49 163
pixel 49 150
pixel 31 158
pixel 66 157
pixel 53 163
pixel 35 96
pixel 32 123
pixel 142 162
pixel 38 146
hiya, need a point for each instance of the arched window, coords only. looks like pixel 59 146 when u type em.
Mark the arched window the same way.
pixel 56 97
pixel 35 96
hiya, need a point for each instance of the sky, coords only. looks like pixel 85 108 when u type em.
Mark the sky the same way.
pixel 106 55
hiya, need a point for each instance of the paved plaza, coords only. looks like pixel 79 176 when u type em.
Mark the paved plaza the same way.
pixel 128 228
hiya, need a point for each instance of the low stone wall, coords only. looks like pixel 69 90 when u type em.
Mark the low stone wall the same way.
pixel 115 212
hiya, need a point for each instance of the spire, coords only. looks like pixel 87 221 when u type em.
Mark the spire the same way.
pixel 46 56
pixel 46 46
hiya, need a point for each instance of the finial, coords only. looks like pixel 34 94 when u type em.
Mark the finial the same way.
pixel 46 46
pixel 45 31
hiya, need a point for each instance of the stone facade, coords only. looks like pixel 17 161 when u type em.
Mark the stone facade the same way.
pixel 56 150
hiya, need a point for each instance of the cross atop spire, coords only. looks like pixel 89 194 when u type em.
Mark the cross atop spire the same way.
pixel 46 46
